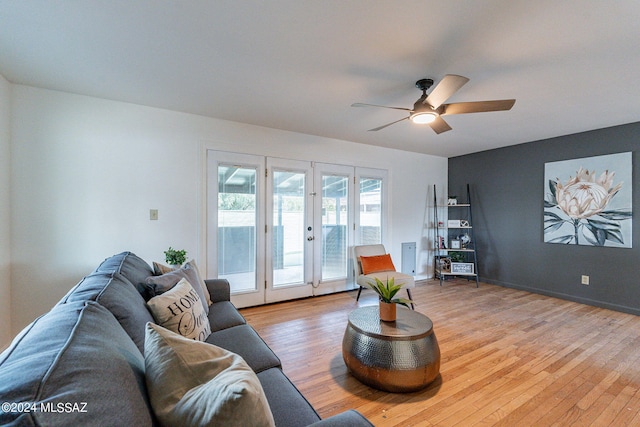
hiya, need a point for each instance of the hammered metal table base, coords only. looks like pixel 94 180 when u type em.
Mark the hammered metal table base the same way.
pixel 400 356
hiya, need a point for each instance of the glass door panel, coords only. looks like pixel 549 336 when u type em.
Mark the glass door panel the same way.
pixel 288 227
pixel 235 219
pixel 335 210
pixel 373 207
pixel 289 254
pixel 334 218
pixel 370 217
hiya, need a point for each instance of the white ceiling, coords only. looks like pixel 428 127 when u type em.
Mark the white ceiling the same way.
pixel 298 65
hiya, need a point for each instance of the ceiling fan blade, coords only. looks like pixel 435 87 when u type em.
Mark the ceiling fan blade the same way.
pixel 358 104
pixel 388 124
pixel 439 125
pixel 478 106
pixel 443 90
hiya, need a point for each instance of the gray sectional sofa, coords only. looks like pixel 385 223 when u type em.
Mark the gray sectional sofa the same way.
pixel 82 363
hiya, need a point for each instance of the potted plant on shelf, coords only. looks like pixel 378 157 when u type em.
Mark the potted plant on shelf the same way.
pixel 175 257
pixel 386 293
pixel 457 256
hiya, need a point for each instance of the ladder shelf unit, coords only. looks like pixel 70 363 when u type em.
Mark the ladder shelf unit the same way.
pixel 454 241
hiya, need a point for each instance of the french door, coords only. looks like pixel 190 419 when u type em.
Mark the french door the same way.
pixel 281 229
pixel 289 230
pixel 235 219
pixel 333 219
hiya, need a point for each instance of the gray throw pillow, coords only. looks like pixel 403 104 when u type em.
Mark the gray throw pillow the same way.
pixel 192 383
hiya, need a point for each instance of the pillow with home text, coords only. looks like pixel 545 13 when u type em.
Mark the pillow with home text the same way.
pixel 180 310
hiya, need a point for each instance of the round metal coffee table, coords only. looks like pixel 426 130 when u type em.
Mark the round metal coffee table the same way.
pixel 400 356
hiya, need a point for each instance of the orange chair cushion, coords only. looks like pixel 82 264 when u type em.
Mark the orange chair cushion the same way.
pixel 374 264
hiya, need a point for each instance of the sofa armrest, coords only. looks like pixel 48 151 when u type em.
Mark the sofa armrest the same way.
pixel 219 289
pixel 350 418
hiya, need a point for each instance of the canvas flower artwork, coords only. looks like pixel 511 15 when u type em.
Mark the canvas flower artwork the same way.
pixel 590 206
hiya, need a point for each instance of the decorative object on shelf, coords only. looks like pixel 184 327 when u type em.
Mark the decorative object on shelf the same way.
pixel 453 223
pixel 444 263
pixel 464 223
pixel 461 268
pixel 386 293
pixel 588 208
pixel 452 200
pixel 175 257
pixel 455 244
pixel 465 239
pixel 456 256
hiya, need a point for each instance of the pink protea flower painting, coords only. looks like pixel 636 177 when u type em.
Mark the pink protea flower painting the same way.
pixel 578 210
pixel 584 195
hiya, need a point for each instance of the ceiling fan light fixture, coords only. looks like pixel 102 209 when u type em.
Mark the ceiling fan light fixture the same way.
pixel 429 109
pixel 423 117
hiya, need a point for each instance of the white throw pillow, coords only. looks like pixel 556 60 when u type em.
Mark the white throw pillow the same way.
pixel 191 383
pixel 180 310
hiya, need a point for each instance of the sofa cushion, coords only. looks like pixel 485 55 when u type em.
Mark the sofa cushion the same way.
pixel 194 384
pixel 180 310
pixel 75 354
pixel 131 266
pixel 157 285
pixel 223 315
pixel 288 406
pixel 244 340
pixel 118 295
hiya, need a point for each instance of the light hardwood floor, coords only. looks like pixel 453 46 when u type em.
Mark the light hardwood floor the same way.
pixel 509 358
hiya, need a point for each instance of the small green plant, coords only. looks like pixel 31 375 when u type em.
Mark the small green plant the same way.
pixel 174 256
pixel 387 291
pixel 457 256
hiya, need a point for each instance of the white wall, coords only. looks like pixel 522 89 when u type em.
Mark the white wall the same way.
pixel 86 171
pixel 5 212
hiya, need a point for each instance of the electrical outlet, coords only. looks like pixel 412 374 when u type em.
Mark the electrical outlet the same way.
pixel 585 280
pixel 153 214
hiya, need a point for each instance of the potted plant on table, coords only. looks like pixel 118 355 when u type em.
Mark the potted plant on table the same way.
pixel 386 293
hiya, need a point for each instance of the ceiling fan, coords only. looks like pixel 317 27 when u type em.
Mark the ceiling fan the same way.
pixel 430 108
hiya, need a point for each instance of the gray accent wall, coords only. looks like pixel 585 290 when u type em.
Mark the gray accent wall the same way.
pixel 507 191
